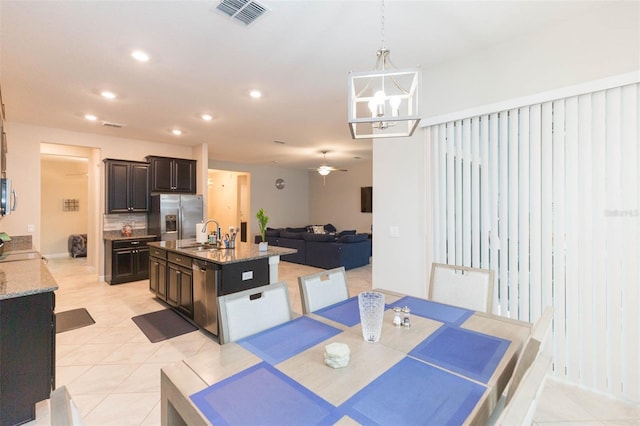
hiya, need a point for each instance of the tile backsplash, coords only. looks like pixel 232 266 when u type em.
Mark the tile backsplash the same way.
pixel 114 222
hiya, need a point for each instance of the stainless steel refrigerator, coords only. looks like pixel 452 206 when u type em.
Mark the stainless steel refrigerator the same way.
pixel 174 216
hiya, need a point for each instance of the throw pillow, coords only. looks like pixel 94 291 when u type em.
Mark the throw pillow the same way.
pixel 317 229
pixel 270 232
pixel 330 228
pixel 303 229
pixel 349 232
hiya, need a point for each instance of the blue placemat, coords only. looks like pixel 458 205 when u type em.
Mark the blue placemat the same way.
pixel 262 395
pixel 346 312
pixel 434 310
pixel 472 354
pixel 286 340
pixel 414 393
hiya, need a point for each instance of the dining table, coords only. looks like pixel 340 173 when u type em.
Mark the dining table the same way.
pixel 449 367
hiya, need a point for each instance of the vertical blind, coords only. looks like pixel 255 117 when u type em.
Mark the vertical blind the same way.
pixel 547 195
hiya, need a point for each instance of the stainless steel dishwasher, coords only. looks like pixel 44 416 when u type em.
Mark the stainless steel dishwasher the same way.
pixel 205 295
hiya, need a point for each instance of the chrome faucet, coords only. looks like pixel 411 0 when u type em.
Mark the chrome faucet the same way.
pixel 204 227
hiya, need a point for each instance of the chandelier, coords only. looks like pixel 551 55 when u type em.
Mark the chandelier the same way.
pixel 383 103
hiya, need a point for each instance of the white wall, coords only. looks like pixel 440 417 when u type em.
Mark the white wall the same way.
pixel 336 199
pixel 586 48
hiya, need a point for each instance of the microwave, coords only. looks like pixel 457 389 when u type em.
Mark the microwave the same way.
pixel 6 206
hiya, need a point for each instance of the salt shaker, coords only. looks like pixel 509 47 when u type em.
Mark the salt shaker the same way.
pixel 406 317
pixel 397 316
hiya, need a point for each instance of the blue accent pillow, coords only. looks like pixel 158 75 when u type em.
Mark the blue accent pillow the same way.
pixel 350 232
pixel 318 237
pixel 353 238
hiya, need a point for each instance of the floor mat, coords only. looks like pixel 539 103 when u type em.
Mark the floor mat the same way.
pixel 163 325
pixel 70 320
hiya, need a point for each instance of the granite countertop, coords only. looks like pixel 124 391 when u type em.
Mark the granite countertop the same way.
pixel 117 235
pixel 24 277
pixel 242 253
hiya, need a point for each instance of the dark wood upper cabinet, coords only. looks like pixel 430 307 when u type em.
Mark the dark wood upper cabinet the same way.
pixel 172 174
pixel 127 186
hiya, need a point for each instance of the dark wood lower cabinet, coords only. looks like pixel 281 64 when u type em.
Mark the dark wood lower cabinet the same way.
pixel 171 280
pixel 127 260
pixel 27 355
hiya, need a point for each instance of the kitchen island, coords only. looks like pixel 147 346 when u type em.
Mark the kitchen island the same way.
pixel 189 276
pixel 27 335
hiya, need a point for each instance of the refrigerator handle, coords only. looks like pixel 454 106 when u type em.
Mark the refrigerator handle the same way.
pixel 180 219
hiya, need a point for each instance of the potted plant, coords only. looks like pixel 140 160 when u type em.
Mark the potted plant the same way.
pixel 262 222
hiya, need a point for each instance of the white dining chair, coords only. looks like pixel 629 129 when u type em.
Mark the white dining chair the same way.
pixel 323 289
pixel 63 410
pixel 531 350
pixel 470 288
pixel 250 311
pixel 521 408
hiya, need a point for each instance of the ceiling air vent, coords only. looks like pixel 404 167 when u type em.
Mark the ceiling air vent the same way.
pixel 116 125
pixel 245 11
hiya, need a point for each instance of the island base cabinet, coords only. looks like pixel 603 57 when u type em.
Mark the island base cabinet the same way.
pixel 27 355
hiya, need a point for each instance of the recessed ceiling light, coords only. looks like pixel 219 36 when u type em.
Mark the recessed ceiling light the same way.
pixel 107 94
pixel 176 132
pixel 90 117
pixel 207 117
pixel 140 56
pixel 255 94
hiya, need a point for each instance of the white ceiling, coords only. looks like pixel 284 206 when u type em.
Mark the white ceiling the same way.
pixel 56 56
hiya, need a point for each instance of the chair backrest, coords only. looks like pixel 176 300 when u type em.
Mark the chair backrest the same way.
pixel 470 288
pixel 323 289
pixel 250 311
pixel 63 409
pixel 530 351
pixel 521 408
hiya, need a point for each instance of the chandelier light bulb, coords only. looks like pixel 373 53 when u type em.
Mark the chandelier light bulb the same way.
pixel 395 101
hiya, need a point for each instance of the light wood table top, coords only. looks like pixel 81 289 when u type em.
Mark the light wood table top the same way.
pixel 367 363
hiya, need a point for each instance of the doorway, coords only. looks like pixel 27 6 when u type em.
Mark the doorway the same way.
pixel 69 191
pixel 228 200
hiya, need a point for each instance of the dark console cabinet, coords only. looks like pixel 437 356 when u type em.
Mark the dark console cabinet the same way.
pixel 27 355
pixel 127 186
pixel 172 174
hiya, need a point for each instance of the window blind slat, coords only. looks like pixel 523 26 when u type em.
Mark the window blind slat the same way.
pixel 524 213
pixel 614 240
pixel 465 170
pixel 475 207
pixel 572 232
pixel 535 204
pixel 559 236
pixel 586 240
pixel 503 212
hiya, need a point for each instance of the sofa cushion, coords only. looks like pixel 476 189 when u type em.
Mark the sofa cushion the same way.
pixel 303 229
pixel 292 235
pixel 270 232
pixel 349 232
pixel 353 238
pixel 318 237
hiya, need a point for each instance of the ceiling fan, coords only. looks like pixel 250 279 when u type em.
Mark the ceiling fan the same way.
pixel 324 169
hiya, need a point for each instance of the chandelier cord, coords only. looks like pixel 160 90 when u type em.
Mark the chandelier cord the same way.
pixel 382 24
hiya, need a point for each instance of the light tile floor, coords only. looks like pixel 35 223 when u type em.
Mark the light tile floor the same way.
pixel 113 372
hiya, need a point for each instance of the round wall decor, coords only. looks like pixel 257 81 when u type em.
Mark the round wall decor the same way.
pixel 280 183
